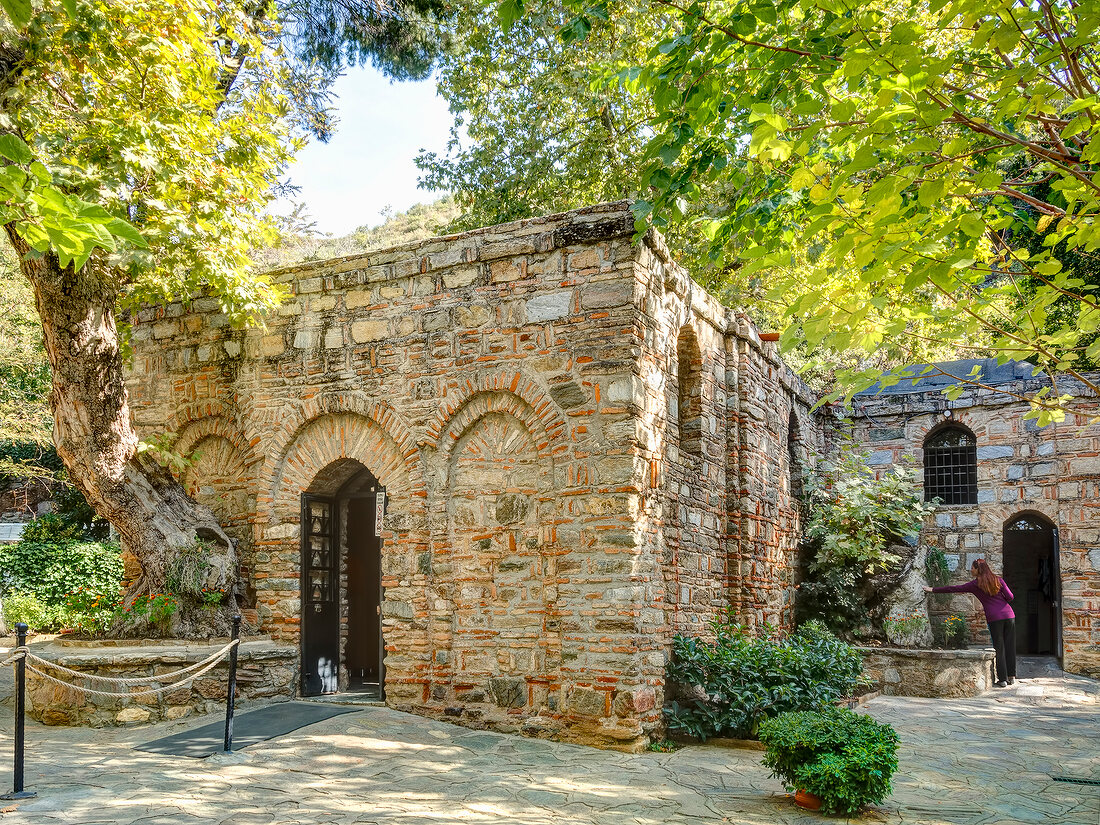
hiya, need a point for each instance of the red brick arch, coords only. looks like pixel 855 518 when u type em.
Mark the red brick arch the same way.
pixel 507 392
pixel 194 431
pixel 335 436
pixel 328 428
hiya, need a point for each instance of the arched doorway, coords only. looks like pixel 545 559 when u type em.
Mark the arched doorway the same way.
pixel 342 518
pixel 1032 573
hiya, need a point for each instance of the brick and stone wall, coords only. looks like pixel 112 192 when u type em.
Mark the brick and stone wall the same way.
pixel 1052 473
pixel 561 499
pixel 266 670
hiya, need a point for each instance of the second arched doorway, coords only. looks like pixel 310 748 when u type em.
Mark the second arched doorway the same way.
pixel 1032 574
pixel 342 519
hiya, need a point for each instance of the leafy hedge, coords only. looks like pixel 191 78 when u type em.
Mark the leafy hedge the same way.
pixel 845 758
pixel 37 578
pixel 729 686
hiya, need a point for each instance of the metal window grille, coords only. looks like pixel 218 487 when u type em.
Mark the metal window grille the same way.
pixel 951 467
pixel 1023 523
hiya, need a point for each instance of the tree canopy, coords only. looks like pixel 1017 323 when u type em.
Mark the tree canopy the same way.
pixel 142 142
pixel 909 152
pixel 147 115
pixel 912 181
pixel 531 134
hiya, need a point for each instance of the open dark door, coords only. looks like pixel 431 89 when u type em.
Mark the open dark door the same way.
pixel 1032 573
pixel 320 608
pixel 365 652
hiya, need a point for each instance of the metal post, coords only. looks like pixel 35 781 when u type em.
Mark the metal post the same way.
pixel 20 721
pixel 231 693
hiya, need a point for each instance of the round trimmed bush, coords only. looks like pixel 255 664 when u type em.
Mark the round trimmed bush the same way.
pixel 845 758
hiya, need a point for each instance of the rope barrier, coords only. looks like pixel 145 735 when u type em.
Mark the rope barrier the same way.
pixel 21 653
pixel 132 680
pixel 201 668
pixel 115 695
pixel 24 660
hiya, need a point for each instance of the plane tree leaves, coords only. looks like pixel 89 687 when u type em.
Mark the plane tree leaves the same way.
pixel 132 135
pixel 913 173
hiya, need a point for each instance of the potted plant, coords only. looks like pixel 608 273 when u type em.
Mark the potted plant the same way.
pixel 844 758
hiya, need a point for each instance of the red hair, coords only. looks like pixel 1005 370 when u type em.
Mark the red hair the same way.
pixel 986 580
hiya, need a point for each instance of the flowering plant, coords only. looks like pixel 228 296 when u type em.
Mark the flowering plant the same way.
pixel 90 611
pixel 952 632
pixel 156 608
pixel 905 628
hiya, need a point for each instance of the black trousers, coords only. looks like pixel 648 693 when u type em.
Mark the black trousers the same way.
pixel 1003 633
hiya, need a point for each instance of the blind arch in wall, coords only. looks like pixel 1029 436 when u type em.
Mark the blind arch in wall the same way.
pixel 689 392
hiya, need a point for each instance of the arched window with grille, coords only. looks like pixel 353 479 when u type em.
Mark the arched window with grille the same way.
pixel 951 466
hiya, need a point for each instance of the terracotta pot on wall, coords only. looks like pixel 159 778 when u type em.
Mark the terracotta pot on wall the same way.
pixel 807 800
pixel 769 336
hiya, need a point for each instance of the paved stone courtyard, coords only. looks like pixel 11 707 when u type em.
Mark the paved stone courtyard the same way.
pixel 986 761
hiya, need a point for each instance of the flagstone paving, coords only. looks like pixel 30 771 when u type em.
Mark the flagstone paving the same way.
pixel 986 761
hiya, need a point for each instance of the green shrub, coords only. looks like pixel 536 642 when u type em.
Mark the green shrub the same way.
pixel 845 758
pixel 951 633
pixel 32 611
pixel 854 513
pixel 52 570
pixel 740 679
pixel 854 516
pixel 834 597
pixel 51 529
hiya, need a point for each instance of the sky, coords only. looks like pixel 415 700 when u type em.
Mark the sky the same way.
pixel 368 163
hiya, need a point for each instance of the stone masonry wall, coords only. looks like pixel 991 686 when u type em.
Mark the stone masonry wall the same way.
pixel 266 670
pixel 511 389
pixel 775 440
pixel 940 674
pixel 1053 472
pixel 718 407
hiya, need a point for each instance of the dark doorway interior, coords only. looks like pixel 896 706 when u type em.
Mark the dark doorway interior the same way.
pixel 363 654
pixel 1031 571
pixel 342 577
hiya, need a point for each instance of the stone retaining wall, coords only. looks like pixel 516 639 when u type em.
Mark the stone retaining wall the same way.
pixel 939 674
pixel 265 670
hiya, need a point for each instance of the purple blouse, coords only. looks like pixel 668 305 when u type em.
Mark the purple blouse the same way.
pixel 996 607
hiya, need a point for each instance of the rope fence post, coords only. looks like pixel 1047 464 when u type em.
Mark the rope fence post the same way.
pixel 231 693
pixel 20 720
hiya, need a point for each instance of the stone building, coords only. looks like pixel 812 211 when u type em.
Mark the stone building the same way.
pixel 494 472
pixel 1025 498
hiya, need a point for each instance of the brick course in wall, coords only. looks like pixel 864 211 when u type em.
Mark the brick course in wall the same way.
pixel 561 500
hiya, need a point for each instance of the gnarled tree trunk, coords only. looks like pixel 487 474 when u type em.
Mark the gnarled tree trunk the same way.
pixel 155 519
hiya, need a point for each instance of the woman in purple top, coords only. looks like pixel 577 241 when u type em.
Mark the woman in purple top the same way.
pixel 995 596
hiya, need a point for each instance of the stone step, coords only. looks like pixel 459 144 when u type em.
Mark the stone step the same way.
pixel 358 699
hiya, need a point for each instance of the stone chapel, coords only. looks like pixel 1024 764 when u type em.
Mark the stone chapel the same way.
pixel 491 475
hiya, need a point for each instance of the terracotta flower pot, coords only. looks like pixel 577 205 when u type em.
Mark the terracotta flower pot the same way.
pixel 769 336
pixel 807 800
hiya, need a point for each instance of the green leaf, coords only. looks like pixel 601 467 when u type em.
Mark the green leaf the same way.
pixel 972 225
pixel 14 149
pixel 126 232
pixel 18 10
pixel 931 191
pixel 1076 126
pixel 508 12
